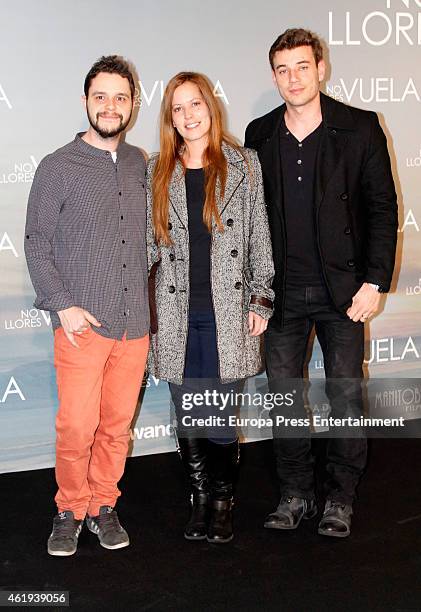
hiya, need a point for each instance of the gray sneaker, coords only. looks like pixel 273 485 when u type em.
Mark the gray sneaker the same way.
pixel 108 529
pixel 63 539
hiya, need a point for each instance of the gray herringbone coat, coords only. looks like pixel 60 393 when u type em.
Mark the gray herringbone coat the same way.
pixel 241 267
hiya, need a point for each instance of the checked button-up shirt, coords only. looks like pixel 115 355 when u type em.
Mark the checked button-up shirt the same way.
pixel 85 236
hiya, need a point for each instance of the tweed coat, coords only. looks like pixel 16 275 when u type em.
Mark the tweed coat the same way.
pixel 241 267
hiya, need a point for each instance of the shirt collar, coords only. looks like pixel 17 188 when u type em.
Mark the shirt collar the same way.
pixel 94 151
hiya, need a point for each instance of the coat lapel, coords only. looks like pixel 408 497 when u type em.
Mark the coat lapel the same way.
pixel 177 194
pixel 235 176
pixel 338 124
pixel 270 159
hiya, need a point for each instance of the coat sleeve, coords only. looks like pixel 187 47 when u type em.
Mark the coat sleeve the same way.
pixel 382 211
pixel 261 269
pixel 46 198
pixel 152 248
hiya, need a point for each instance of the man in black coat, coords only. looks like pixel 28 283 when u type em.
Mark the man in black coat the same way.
pixel 333 215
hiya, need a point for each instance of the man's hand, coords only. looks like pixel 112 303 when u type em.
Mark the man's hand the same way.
pixel 257 324
pixel 75 320
pixel 365 303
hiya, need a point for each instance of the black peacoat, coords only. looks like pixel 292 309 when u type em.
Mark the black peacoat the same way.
pixel 355 204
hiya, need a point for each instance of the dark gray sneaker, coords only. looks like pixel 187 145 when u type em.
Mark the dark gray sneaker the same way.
pixel 63 539
pixel 108 529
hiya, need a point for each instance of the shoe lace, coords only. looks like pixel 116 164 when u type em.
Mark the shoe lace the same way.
pixel 66 526
pixel 286 499
pixel 109 520
pixel 334 504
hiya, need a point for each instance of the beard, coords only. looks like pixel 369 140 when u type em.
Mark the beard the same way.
pixel 104 132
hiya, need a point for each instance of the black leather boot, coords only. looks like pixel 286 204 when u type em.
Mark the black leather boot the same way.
pixel 223 462
pixel 193 452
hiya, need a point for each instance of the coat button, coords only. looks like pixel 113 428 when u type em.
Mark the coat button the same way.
pixel 171 289
pixel 230 222
pixel 351 263
pixel 344 196
pixel 172 256
pixel 238 285
pixel 234 253
pixel 170 226
pixel 347 230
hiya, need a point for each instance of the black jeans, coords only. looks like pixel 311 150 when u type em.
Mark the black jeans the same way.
pixel 342 343
pixel 201 374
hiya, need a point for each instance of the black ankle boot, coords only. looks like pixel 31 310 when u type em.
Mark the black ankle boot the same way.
pixel 193 453
pixel 223 461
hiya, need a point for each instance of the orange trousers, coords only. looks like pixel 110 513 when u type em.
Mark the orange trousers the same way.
pixel 98 387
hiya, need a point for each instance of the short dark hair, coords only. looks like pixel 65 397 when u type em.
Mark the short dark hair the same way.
pixel 113 64
pixel 297 37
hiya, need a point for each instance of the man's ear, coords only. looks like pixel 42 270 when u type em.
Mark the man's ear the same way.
pixel 274 77
pixel 84 100
pixel 321 69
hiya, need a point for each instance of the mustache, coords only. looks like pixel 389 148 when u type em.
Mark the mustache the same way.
pixel 98 115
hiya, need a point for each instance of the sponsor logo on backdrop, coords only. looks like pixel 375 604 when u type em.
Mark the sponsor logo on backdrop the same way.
pixel 6 244
pixel 4 99
pixel 152 432
pixel 22 172
pixel 375 89
pixel 415 289
pixel 409 398
pixel 390 24
pixel 384 350
pixel 28 318
pixel 414 162
pixel 155 92
pixel 10 389
pixel 410 221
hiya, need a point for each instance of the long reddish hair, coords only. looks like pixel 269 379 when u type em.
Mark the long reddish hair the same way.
pixel 171 146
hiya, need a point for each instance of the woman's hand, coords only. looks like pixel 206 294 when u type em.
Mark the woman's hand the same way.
pixel 257 324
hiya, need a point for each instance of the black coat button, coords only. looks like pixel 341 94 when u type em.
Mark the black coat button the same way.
pixel 234 253
pixel 170 226
pixel 172 256
pixel 347 230
pixel 171 289
pixel 344 196
pixel 351 263
pixel 230 222
pixel 238 285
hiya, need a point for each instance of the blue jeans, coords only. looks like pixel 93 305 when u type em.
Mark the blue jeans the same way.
pixel 201 375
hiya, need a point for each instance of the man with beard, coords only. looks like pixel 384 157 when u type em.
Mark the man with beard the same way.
pixel 86 253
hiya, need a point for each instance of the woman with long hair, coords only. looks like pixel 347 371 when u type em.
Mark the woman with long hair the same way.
pixel 210 252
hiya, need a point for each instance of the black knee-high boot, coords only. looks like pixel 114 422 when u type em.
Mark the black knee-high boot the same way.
pixel 223 464
pixel 193 452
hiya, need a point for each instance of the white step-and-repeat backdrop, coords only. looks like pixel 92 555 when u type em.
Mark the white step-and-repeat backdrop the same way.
pixel 47 46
